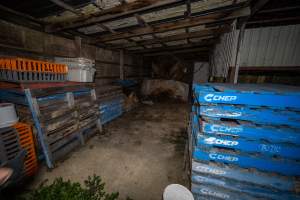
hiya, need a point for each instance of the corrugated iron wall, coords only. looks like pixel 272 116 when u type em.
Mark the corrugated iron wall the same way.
pixel 271 46
pixel 262 47
pixel 223 55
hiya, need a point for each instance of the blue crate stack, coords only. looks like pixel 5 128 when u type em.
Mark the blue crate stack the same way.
pixel 245 141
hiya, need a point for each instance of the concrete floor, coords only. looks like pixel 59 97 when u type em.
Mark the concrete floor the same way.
pixel 139 155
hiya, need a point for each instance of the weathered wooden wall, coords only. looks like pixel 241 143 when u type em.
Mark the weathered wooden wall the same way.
pixel 16 40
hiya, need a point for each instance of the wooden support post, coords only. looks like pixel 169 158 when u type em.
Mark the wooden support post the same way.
pixel 80 137
pixel 98 122
pixel 78 46
pixel 238 53
pixel 122 65
pixel 93 95
pixel 70 99
pixel 32 103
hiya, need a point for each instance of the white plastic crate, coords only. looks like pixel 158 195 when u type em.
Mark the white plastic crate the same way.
pixel 81 75
pixel 79 69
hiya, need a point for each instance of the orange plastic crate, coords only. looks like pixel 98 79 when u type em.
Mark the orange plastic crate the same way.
pixel 27 143
pixel 28 65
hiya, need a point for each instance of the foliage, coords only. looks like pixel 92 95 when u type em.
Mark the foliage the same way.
pixel 66 190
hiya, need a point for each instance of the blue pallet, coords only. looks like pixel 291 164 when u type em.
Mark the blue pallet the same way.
pixel 219 193
pixel 110 110
pixel 285 167
pixel 252 190
pixel 280 96
pixel 282 183
pixel 246 130
pixel 258 115
pixel 62 95
pixel 243 145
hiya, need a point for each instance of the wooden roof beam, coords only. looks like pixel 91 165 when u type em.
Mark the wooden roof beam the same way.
pixel 205 43
pixel 198 34
pixel 106 28
pixel 258 6
pixel 117 12
pixel 202 50
pixel 66 7
pixel 193 21
pixel 143 23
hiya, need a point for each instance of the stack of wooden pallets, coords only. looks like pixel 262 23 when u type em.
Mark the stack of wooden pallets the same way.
pixel 64 115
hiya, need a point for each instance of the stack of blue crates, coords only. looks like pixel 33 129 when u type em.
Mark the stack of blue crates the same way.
pixel 245 142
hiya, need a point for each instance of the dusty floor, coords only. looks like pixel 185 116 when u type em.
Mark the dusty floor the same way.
pixel 139 155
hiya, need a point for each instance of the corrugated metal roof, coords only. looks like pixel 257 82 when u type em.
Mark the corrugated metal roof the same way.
pixel 106 4
pixel 65 16
pixel 122 23
pixel 170 33
pixel 203 5
pixel 91 29
pixel 164 14
pixel 197 28
pixel 121 41
pixel 200 39
pixel 135 48
pixel 154 46
pixel 143 37
pixel 178 42
pixel 68 16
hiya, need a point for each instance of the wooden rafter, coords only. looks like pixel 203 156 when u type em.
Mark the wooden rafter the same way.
pixel 143 23
pixel 258 6
pixel 203 50
pixel 203 44
pixel 66 6
pixel 189 22
pixel 198 34
pixel 111 14
pixel 106 28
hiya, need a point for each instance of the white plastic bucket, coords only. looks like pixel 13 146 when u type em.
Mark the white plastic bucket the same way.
pixel 177 192
pixel 8 115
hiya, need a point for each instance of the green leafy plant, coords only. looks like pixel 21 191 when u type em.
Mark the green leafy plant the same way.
pixel 66 190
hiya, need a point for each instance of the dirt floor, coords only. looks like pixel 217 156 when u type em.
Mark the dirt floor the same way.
pixel 139 155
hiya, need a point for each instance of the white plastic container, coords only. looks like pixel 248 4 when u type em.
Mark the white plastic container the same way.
pixel 79 69
pixel 81 75
pixel 8 115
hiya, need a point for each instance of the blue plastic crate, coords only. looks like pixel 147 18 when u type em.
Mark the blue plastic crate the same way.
pixel 250 189
pixel 281 166
pixel 249 146
pixel 251 131
pixel 279 96
pixel 247 176
pixel 255 115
